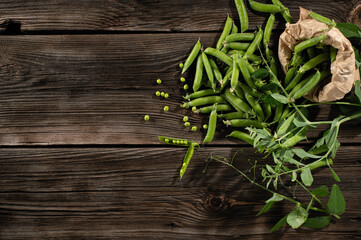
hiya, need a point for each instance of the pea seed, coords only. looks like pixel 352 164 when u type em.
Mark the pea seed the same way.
pixel 166 109
pixel 194 109
pixel 159 81
pixel 174 141
pixel 166 95
pixel 194 128
pixel 185 119
pixel 178 141
pixel 162 94
pixel 157 93
pixel 205 126
pixel 166 140
pixel 181 65
pixel 187 124
pixel 182 79
pixel 146 118
pixel 185 87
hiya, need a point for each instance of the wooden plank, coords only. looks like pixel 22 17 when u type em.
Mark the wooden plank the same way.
pixel 164 16
pixel 123 193
pixel 77 89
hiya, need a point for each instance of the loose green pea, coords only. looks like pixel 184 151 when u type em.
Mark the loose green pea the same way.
pixel 159 81
pixel 187 124
pixel 185 119
pixel 146 118
pixel 162 94
pixel 194 128
pixel 166 95
pixel 205 126
pixel 185 87
pixel 181 65
pixel 166 109
pixel 157 93
pixel 182 79
pixel 194 109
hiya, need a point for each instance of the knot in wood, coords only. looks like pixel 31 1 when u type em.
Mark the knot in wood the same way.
pixel 217 203
pixel 355 16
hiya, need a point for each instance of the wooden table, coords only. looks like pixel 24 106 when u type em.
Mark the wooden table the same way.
pixel 79 162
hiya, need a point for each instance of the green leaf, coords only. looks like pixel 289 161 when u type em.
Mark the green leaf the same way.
pixel 358 90
pixel 299 122
pixel 349 30
pixel 269 203
pixel 275 99
pixel 297 217
pixel 270 169
pixel 269 87
pixel 303 154
pixel 321 191
pixel 260 73
pixel 292 161
pixel 336 203
pixel 317 222
pixel 334 174
pixel 279 224
pixel 306 177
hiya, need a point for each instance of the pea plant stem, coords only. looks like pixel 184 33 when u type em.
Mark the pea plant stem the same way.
pixel 328 103
pixel 268 190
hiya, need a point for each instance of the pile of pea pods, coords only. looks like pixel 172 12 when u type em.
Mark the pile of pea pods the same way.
pixel 233 80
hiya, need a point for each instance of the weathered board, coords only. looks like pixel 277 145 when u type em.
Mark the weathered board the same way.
pixel 135 193
pixel 95 89
pixel 145 15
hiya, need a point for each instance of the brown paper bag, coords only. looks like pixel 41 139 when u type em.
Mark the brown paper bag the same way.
pixel 343 69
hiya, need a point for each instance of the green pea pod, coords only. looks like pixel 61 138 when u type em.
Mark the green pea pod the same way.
pixel 239 92
pixel 217 74
pixel 187 159
pixel 220 55
pixel 285 112
pixel 267 110
pixel 249 90
pixel 292 141
pixel 175 141
pixel 252 57
pixel 285 125
pixel 278 113
pixel 226 79
pixel 242 136
pixel 232 115
pixel 235 75
pixel 211 127
pixel 333 54
pixel 311 53
pixel 256 107
pixel 234 29
pixel 239 37
pixel 236 102
pixel 309 43
pixel 289 75
pixel 311 84
pixel 245 73
pixel 199 74
pixel 322 19
pixel 218 107
pixel 245 123
pixel 226 30
pixel 273 68
pixel 323 163
pixel 312 63
pixel 209 70
pixel 238 46
pixel 225 49
pixel 299 86
pixel 261 7
pixel 319 150
pixel 285 12
pixel 242 13
pixel 204 101
pixel 268 30
pixel 295 81
pixel 192 56
pixel 255 43
pixel 202 93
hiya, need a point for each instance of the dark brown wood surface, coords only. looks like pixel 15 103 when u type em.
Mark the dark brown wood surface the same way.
pixel 77 161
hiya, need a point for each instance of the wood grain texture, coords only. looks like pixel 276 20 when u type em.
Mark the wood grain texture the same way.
pixel 145 15
pixel 133 193
pixel 78 89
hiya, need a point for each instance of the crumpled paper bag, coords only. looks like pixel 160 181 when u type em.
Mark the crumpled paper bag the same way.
pixel 343 69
